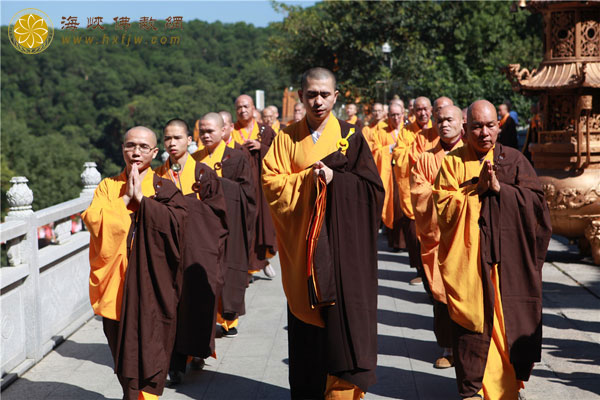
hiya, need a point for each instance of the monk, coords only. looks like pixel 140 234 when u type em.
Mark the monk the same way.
pixel 351 113
pixel 205 234
pixel 449 126
pixel 377 116
pixel 508 127
pixel 495 229
pixel 257 138
pixel 411 111
pixel 233 168
pixel 270 117
pixel 402 165
pixel 299 113
pixel 136 224
pixel 326 197
pixel 227 130
pixel 428 138
pixel 384 137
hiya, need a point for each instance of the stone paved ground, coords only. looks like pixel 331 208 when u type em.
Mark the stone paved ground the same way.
pixel 253 365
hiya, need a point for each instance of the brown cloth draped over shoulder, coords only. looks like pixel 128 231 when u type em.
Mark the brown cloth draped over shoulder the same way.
pixel 264 240
pixel 202 280
pixel 240 197
pixel 151 289
pixel 354 204
pixel 517 241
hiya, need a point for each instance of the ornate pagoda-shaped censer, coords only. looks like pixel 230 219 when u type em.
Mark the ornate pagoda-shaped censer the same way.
pixel 566 149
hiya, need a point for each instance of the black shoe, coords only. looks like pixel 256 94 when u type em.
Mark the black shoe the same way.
pixel 175 377
pixel 232 332
pixel 250 278
pixel 197 363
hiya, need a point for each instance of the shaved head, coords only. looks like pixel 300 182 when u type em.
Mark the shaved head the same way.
pixel 179 123
pixel 440 103
pixel 215 117
pixel 244 109
pixel 477 106
pixel 151 136
pixel 227 118
pixel 317 74
pixel 244 98
pixel 482 126
pixel 422 100
pixel 449 124
pixel 397 101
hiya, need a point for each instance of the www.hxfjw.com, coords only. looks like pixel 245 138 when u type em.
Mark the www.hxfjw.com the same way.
pixel 122 40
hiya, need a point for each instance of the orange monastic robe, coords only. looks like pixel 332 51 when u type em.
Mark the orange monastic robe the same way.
pixel 276 127
pixel 241 135
pixel 422 178
pixel 108 221
pixel 402 155
pixel 382 137
pixel 290 190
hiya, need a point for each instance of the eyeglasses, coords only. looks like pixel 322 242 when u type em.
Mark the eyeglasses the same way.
pixel 143 148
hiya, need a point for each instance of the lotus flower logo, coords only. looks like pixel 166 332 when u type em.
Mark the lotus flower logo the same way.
pixel 30 31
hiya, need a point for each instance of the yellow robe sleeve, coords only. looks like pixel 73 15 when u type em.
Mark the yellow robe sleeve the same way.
pixel 108 220
pixel 458 211
pixel 290 189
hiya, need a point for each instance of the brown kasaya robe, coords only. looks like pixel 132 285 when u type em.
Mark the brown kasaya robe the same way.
pixel 205 235
pixel 240 197
pixel 146 332
pixel 264 239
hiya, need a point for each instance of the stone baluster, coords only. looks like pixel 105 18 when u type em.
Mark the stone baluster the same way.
pixel 90 177
pixel 19 198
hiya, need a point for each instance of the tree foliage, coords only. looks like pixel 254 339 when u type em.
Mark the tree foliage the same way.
pixel 73 102
pixel 439 48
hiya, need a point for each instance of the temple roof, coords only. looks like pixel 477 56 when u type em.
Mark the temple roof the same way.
pixel 555 76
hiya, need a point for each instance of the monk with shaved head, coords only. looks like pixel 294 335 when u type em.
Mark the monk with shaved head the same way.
pixel 132 286
pixel 449 128
pixel 257 138
pixel 325 196
pixel 402 151
pixel 235 175
pixel 201 264
pixel 352 117
pixel 494 233
pixel 299 113
pixel 270 117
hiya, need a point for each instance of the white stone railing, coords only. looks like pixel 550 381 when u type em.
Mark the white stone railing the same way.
pixel 44 291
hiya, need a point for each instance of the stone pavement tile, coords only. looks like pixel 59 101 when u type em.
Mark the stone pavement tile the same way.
pixel 544 384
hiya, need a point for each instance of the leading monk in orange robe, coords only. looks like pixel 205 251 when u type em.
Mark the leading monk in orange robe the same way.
pixel 135 222
pixel 495 229
pixel 326 196
pixel 449 126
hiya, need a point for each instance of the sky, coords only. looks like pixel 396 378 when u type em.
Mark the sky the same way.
pixel 258 13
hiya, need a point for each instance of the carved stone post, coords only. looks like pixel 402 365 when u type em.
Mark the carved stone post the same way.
pixel 19 197
pixel 90 177
pixel 592 234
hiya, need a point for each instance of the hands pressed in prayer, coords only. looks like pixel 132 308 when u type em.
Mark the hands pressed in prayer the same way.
pixel 133 189
pixel 252 144
pixel 488 179
pixel 320 168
